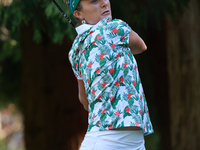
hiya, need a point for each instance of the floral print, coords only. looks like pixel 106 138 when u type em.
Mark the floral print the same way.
pixel 102 59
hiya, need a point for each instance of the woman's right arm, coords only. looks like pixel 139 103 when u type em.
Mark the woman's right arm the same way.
pixel 136 43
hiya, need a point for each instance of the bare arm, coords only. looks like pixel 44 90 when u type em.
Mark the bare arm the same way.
pixel 136 44
pixel 82 94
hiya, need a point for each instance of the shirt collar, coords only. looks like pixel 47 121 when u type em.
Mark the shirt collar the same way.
pixel 82 28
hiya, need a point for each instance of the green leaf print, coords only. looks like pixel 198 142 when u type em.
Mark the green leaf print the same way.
pixel 120 32
pixel 90 127
pixel 111 35
pixel 134 109
pixel 115 90
pixel 105 49
pixel 121 125
pixel 117 70
pixel 88 50
pixel 125 97
pixel 130 101
pixel 110 113
pixel 94 103
pixel 137 86
pixel 115 101
pixel 101 30
pixel 126 114
pixel 102 62
pixel 125 71
pixel 110 26
pixel 103 117
pixel 99 85
pixel 97 58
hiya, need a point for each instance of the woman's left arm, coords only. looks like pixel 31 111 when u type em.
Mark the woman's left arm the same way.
pixel 82 94
pixel 136 43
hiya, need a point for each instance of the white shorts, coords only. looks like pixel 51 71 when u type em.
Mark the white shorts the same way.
pixel 114 140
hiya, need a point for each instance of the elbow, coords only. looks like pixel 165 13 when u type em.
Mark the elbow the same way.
pixel 144 48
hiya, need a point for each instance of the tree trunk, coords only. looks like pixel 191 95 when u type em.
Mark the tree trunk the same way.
pixel 184 78
pixel 53 115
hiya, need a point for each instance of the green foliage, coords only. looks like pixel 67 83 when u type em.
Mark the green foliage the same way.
pixel 40 15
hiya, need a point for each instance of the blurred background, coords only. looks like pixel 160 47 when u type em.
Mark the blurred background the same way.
pixel 39 106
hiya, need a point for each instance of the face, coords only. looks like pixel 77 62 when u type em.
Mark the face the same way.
pixel 93 11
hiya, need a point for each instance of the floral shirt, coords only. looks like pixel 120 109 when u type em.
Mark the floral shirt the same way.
pixel 101 58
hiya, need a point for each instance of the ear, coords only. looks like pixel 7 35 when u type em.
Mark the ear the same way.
pixel 78 15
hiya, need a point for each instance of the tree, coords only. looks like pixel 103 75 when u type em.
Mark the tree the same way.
pixel 184 78
pixel 49 87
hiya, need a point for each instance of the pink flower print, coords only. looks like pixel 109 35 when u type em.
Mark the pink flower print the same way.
pixel 121 79
pixel 118 113
pixel 143 94
pixel 128 54
pixel 135 68
pixel 103 111
pixel 114 30
pixel 76 50
pixel 111 71
pixel 84 51
pixel 111 98
pixel 90 65
pixel 125 65
pixel 129 95
pixel 141 112
pixel 98 37
pixel 127 109
pixel 134 83
pixel 99 97
pixel 76 65
pixel 81 64
pixel 112 45
pixel 101 56
pixel 93 43
pixel 118 55
pixel 90 33
pixel 123 38
pixel 107 20
pixel 98 123
pixel 93 92
pixel 93 117
pixel 137 124
pixel 110 127
pixel 147 124
pixel 116 83
pixel 140 97
pixel 88 80
pixel 97 71
pixel 68 55
pixel 104 84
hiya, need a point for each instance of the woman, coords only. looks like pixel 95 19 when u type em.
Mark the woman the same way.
pixel 109 85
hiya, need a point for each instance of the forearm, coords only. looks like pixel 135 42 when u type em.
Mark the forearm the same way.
pixel 83 101
pixel 136 43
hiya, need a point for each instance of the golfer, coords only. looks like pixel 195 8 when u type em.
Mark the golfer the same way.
pixel 109 84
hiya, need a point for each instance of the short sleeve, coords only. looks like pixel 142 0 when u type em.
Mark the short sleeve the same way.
pixel 119 33
pixel 77 74
pixel 73 59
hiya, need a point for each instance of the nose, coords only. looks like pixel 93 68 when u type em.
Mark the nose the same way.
pixel 104 3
